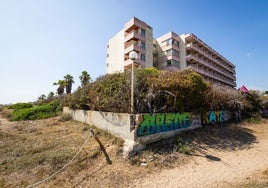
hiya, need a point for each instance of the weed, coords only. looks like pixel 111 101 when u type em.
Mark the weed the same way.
pixel 65 117
pixel 183 146
pixel 254 184
pixel 61 157
pixel 254 120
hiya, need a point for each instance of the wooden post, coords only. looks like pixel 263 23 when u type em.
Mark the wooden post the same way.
pixel 101 146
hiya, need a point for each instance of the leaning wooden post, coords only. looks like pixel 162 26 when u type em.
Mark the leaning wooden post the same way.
pixel 101 146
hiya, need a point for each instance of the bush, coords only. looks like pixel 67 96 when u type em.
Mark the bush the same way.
pixel 111 92
pixel 79 99
pixel 252 104
pixel 18 106
pixel 154 91
pixel 38 112
pixel 166 91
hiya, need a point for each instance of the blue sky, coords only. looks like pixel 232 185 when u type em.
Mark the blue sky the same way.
pixel 43 40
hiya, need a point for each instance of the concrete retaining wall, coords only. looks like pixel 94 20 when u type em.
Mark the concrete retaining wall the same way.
pixel 141 129
pixel 117 124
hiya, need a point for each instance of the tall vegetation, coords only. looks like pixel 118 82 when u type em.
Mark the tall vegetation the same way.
pixel 85 78
pixel 155 91
pixel 158 91
pixel 68 83
pixel 253 104
pixel 61 85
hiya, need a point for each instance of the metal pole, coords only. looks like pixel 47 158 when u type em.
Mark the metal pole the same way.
pixel 132 87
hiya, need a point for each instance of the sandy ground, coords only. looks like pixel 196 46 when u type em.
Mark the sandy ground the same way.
pixel 213 168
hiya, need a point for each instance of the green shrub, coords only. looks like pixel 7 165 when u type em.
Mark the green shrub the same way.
pixel 79 99
pixel 38 112
pixel 18 106
pixel 252 104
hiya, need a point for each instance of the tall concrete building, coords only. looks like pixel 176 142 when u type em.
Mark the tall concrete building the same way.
pixel 169 52
pixel 135 36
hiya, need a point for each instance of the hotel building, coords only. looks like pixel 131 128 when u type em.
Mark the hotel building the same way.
pixel 169 52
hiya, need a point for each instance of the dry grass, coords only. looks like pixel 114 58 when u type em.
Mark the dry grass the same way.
pixel 31 150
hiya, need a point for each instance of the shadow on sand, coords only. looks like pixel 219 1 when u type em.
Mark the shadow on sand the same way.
pixel 227 137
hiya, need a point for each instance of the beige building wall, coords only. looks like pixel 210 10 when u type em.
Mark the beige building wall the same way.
pixel 137 36
pixel 149 47
pixel 115 51
pixel 167 45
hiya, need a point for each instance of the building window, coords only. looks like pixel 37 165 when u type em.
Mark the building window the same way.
pixel 143 45
pixel 173 63
pixel 168 52
pixel 107 45
pixel 107 55
pixel 176 43
pixel 176 63
pixel 175 53
pixel 143 32
pixel 167 42
pixel 143 57
pixel 171 42
pixel 172 52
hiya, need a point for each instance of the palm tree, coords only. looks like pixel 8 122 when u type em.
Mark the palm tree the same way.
pixel 42 97
pixel 61 84
pixel 85 78
pixel 69 83
pixel 50 95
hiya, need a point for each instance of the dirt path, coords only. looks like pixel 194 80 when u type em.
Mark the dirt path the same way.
pixel 216 168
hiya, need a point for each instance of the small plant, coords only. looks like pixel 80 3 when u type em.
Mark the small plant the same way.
pixel 61 157
pixel 254 119
pixel 66 117
pixel 183 147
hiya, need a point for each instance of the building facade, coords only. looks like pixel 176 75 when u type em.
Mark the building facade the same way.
pixel 135 36
pixel 169 52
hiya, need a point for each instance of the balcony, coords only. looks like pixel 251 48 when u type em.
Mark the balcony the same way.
pixel 134 23
pixel 208 65
pixel 138 63
pixel 192 47
pixel 193 38
pixel 134 47
pixel 213 76
pixel 134 36
pixel 169 57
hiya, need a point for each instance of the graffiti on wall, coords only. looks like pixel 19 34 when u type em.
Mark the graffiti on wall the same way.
pixel 156 123
pixel 213 117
